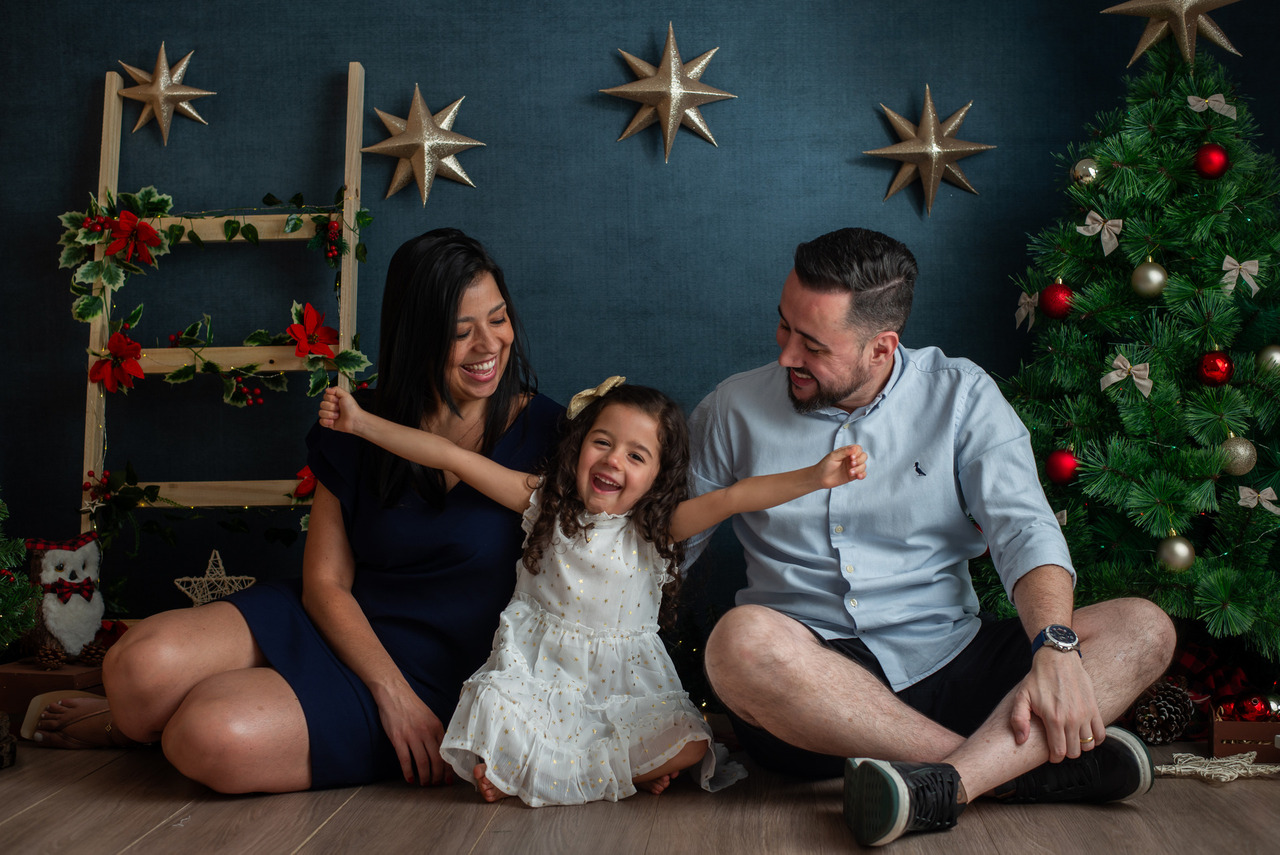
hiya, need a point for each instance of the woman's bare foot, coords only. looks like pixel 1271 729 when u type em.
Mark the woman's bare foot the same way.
pixel 486 787
pixel 657 785
pixel 80 721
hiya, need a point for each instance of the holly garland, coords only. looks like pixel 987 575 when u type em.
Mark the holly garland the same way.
pixel 133 243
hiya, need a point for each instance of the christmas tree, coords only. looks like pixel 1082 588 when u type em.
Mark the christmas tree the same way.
pixel 18 597
pixel 1153 392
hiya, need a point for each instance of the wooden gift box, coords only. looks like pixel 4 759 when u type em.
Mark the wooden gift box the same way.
pixel 1237 737
pixel 23 680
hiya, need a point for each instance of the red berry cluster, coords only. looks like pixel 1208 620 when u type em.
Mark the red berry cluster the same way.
pixel 96 224
pixel 333 240
pixel 252 396
pixel 97 487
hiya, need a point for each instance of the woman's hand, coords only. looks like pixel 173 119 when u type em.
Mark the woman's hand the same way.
pixel 415 733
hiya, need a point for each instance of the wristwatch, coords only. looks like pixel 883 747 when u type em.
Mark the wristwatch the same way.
pixel 1058 637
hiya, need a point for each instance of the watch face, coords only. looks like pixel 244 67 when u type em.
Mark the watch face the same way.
pixel 1063 636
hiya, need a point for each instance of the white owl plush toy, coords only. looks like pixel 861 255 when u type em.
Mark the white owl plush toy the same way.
pixel 70 613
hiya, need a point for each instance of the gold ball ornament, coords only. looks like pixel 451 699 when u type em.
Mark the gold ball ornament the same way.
pixel 1241 455
pixel 1085 170
pixel 1149 279
pixel 1176 552
pixel 1269 358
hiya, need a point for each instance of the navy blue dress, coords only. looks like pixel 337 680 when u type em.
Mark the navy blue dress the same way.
pixel 432 583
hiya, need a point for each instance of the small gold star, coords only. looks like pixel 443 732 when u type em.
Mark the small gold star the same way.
pixel 930 150
pixel 1184 18
pixel 425 144
pixel 670 93
pixel 163 93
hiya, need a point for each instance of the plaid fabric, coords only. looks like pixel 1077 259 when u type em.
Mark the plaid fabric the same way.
pixel 69 545
pixel 1209 683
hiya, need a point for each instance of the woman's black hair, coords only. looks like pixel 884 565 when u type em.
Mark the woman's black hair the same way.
pixel 426 279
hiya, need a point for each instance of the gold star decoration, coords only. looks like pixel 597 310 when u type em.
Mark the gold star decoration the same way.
pixel 929 150
pixel 1184 18
pixel 214 584
pixel 671 93
pixel 162 92
pixel 1219 769
pixel 425 144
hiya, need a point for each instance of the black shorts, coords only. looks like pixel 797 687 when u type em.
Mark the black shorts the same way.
pixel 959 696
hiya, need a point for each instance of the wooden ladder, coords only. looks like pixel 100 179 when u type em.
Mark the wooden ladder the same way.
pixel 271 227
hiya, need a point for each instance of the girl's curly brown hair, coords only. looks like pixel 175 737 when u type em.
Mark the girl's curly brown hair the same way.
pixel 651 514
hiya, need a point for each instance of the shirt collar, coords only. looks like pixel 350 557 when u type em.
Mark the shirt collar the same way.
pixel 899 358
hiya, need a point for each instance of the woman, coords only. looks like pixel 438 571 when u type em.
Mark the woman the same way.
pixel 351 675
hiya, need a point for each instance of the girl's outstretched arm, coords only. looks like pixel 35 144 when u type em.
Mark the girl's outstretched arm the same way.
pixel 507 487
pixel 764 491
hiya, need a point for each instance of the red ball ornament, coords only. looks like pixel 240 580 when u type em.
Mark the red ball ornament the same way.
pixel 1251 707
pixel 1215 368
pixel 1055 300
pixel 1211 161
pixel 1061 466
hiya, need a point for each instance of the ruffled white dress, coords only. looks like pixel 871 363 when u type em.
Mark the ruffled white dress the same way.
pixel 579 695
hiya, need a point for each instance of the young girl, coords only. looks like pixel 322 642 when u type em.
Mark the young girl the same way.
pixel 579 700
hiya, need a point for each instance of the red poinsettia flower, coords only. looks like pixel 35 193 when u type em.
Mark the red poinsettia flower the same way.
pixel 121 366
pixel 306 484
pixel 131 234
pixel 311 336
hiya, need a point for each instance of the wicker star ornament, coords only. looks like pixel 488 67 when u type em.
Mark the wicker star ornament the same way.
pixel 929 150
pixel 214 584
pixel 1183 18
pixel 163 94
pixel 671 94
pixel 425 145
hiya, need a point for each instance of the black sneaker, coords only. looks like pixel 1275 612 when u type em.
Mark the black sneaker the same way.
pixel 1118 769
pixel 883 800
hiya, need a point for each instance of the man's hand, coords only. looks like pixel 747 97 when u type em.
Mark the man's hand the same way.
pixel 1059 692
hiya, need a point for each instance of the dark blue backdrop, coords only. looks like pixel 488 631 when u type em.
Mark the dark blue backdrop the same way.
pixel 668 273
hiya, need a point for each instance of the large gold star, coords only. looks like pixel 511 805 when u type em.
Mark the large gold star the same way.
pixel 425 144
pixel 1183 17
pixel 670 93
pixel 214 584
pixel 930 150
pixel 162 93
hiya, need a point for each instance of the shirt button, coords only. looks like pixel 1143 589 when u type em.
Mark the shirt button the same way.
pixel 839 529
pixel 853 604
pixel 848 568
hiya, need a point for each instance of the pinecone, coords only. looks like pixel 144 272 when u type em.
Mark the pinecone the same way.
pixel 91 654
pixel 1162 712
pixel 50 656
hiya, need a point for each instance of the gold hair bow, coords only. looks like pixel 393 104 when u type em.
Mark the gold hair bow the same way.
pixel 1026 309
pixel 1141 375
pixel 1216 103
pixel 1094 223
pixel 580 401
pixel 1236 269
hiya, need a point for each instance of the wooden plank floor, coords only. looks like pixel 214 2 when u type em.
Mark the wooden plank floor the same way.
pixel 117 801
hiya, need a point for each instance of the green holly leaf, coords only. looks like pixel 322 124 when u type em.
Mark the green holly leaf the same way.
pixel 73 255
pixel 275 382
pixel 351 361
pixel 319 382
pixel 86 307
pixel 192 330
pixel 134 317
pixel 271 201
pixel 296 312
pixel 337 197
pixel 152 203
pixel 211 367
pixel 88 272
pixel 250 232
pixel 257 338
pixel 123 266
pixel 180 375
pixel 111 274
pixel 230 228
pixel 72 219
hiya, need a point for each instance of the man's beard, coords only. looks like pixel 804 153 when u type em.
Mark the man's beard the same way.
pixel 821 397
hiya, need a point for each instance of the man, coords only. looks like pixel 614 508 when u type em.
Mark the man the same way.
pixel 858 634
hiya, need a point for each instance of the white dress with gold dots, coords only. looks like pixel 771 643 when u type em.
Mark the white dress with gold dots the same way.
pixel 579 695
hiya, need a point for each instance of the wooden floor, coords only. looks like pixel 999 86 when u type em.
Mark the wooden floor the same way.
pixel 110 801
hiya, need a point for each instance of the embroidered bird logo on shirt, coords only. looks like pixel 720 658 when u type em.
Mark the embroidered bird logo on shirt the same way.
pixel 919 471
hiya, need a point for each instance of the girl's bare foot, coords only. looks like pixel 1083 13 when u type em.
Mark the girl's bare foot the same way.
pixel 657 785
pixel 486 787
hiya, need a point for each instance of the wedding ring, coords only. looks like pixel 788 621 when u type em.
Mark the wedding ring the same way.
pixel 1086 741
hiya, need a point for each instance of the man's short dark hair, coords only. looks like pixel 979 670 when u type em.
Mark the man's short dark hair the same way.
pixel 877 270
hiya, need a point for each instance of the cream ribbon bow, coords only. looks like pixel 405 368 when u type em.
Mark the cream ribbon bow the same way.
pixel 1061 517
pixel 1094 223
pixel 579 402
pixel 1141 375
pixel 1026 309
pixel 1216 103
pixel 1236 269
pixel 1250 498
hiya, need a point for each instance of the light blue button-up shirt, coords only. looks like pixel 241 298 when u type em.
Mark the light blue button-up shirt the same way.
pixel 884 559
